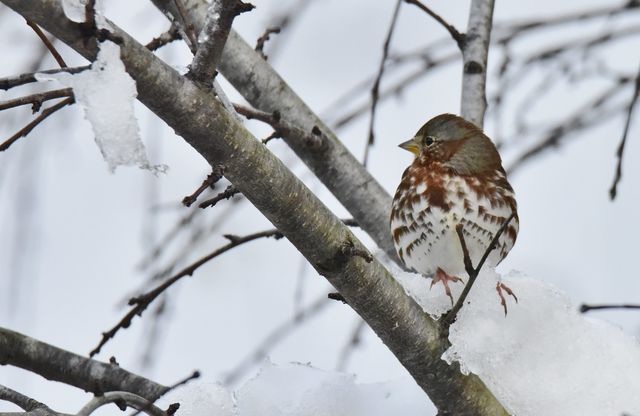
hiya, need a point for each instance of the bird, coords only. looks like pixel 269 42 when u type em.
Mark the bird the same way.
pixel 455 180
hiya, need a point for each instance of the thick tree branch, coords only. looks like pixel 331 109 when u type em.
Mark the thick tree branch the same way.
pixel 335 166
pixel 309 225
pixel 66 367
pixel 474 57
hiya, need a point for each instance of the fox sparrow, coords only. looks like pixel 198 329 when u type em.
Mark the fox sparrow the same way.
pixel 456 178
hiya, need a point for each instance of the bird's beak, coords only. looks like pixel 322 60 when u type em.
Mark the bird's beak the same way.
pixel 411 145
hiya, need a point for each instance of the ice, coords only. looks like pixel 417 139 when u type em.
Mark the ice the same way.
pixel 301 390
pixel 75 11
pixel 544 357
pixel 107 93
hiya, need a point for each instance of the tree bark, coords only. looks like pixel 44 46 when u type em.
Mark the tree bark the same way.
pixel 474 57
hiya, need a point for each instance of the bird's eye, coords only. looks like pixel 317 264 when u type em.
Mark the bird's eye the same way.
pixel 428 141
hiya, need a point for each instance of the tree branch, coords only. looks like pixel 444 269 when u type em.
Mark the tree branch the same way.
pixel 196 115
pixel 213 36
pixel 123 400
pixel 474 57
pixel 457 36
pixel 36 100
pixel 66 367
pixel 450 317
pixel 54 52
pixel 375 90
pixel 43 116
pixel 618 175
pixel 142 302
pixel 336 167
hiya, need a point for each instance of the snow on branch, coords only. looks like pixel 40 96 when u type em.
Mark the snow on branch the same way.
pixel 213 36
pixel 107 93
pixel 544 357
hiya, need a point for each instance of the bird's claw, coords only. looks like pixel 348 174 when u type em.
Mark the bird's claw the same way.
pixel 445 278
pixel 499 288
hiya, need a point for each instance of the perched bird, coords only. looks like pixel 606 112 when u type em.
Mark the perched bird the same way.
pixel 456 178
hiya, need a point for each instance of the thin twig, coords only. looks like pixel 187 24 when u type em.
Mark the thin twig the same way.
pixel 450 317
pixel 264 38
pixel 164 39
pixel 375 90
pixel 315 138
pixel 226 194
pixel 36 100
pixel 141 303
pixel 27 129
pixel 455 34
pixel 10 82
pixel 354 340
pixel 586 308
pixel 56 55
pixel 211 179
pixel 196 374
pixel 618 175
pixel 187 26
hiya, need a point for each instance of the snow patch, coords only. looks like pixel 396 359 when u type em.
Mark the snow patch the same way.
pixel 301 390
pixel 75 11
pixel 107 94
pixel 544 357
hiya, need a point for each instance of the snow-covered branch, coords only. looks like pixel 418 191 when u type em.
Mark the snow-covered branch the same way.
pixel 213 36
pixel 474 57
pixel 195 114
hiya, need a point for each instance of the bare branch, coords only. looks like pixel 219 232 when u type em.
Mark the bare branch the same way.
pixel 226 194
pixel 457 36
pixel 36 100
pixel 123 400
pixel 186 26
pixel 75 370
pixel 48 44
pixel 27 129
pixel 165 38
pixel 314 139
pixel 264 38
pixel 375 90
pixel 586 308
pixel 142 302
pixel 213 177
pixel 213 36
pixel 24 402
pixel 10 82
pixel 620 152
pixel 474 57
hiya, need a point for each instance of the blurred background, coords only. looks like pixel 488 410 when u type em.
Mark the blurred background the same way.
pixel 77 241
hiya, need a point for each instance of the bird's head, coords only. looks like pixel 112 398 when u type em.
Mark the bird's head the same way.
pixel 455 143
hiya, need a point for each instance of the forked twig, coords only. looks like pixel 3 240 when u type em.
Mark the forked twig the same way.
pixel 450 317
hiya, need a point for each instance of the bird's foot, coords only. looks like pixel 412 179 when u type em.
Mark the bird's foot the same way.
pixel 499 288
pixel 445 278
